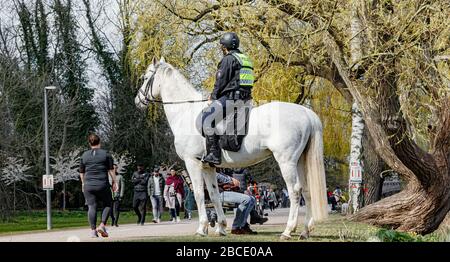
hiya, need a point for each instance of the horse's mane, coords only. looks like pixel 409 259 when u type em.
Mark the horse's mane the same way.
pixel 170 71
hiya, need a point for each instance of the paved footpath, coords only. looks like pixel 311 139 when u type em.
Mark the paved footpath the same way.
pixel 135 232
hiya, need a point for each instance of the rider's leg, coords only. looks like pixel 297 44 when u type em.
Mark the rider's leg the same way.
pixel 213 150
pixel 212 116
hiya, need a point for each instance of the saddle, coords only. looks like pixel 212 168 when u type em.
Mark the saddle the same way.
pixel 232 141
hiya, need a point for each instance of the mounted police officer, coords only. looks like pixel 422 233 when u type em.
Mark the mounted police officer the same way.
pixel 234 82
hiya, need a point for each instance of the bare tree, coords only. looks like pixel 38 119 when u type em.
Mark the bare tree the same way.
pixel 66 169
pixel 13 173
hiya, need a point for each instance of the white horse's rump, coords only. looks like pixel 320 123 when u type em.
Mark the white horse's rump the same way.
pixel 292 133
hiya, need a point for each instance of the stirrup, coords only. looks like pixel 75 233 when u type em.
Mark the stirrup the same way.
pixel 205 162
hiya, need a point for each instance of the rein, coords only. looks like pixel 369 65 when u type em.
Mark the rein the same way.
pixel 149 88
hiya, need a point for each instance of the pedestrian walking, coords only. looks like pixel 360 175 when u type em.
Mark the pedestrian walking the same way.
pixel 173 193
pixel 140 180
pixel 96 165
pixel 155 191
pixel 117 197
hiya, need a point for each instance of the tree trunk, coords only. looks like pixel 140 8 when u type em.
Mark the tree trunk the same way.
pixel 355 195
pixel 373 167
pixel 414 209
pixel 5 201
pixel 64 196
pixel 14 197
pixel 424 203
pixel 358 126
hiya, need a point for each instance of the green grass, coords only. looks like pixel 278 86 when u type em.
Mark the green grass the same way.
pixel 336 229
pixel 26 221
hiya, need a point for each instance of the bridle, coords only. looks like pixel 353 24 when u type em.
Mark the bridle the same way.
pixel 149 88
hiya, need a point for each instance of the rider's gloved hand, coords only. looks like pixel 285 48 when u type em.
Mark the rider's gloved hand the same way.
pixel 209 100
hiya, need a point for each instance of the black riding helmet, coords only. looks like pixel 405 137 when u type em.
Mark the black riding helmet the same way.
pixel 230 41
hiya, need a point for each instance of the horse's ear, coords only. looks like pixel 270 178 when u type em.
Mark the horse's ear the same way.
pixel 162 60
pixel 154 61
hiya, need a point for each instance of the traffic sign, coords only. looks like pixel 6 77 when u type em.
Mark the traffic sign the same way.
pixel 47 182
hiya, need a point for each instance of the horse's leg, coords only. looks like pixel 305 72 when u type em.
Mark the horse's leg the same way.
pixel 213 189
pixel 194 169
pixel 307 196
pixel 309 221
pixel 290 175
pixel 300 184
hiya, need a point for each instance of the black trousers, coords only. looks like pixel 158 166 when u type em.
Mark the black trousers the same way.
pixel 94 194
pixel 211 114
pixel 115 211
pixel 140 206
pixel 272 205
pixel 332 200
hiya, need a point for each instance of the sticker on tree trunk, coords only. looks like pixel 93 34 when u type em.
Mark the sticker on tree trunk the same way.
pixel 355 173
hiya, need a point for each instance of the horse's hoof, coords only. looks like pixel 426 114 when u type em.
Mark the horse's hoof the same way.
pixel 221 232
pixel 304 236
pixel 200 234
pixel 285 237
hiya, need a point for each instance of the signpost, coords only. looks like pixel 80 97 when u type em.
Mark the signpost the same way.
pixel 47 177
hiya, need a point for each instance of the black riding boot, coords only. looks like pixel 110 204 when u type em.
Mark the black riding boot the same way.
pixel 213 150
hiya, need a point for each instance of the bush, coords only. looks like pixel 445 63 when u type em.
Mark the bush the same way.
pixel 386 235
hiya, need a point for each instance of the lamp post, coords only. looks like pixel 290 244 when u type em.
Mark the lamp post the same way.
pixel 47 161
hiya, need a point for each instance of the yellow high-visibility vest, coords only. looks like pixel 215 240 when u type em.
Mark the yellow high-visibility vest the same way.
pixel 246 77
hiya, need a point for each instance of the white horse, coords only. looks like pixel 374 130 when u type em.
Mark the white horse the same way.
pixel 291 132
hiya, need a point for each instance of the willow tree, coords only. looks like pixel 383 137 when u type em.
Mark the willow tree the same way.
pixel 399 86
pixel 400 82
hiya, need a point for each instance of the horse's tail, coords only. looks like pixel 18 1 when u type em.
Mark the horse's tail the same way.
pixel 315 172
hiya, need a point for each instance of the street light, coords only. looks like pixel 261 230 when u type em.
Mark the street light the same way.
pixel 47 161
